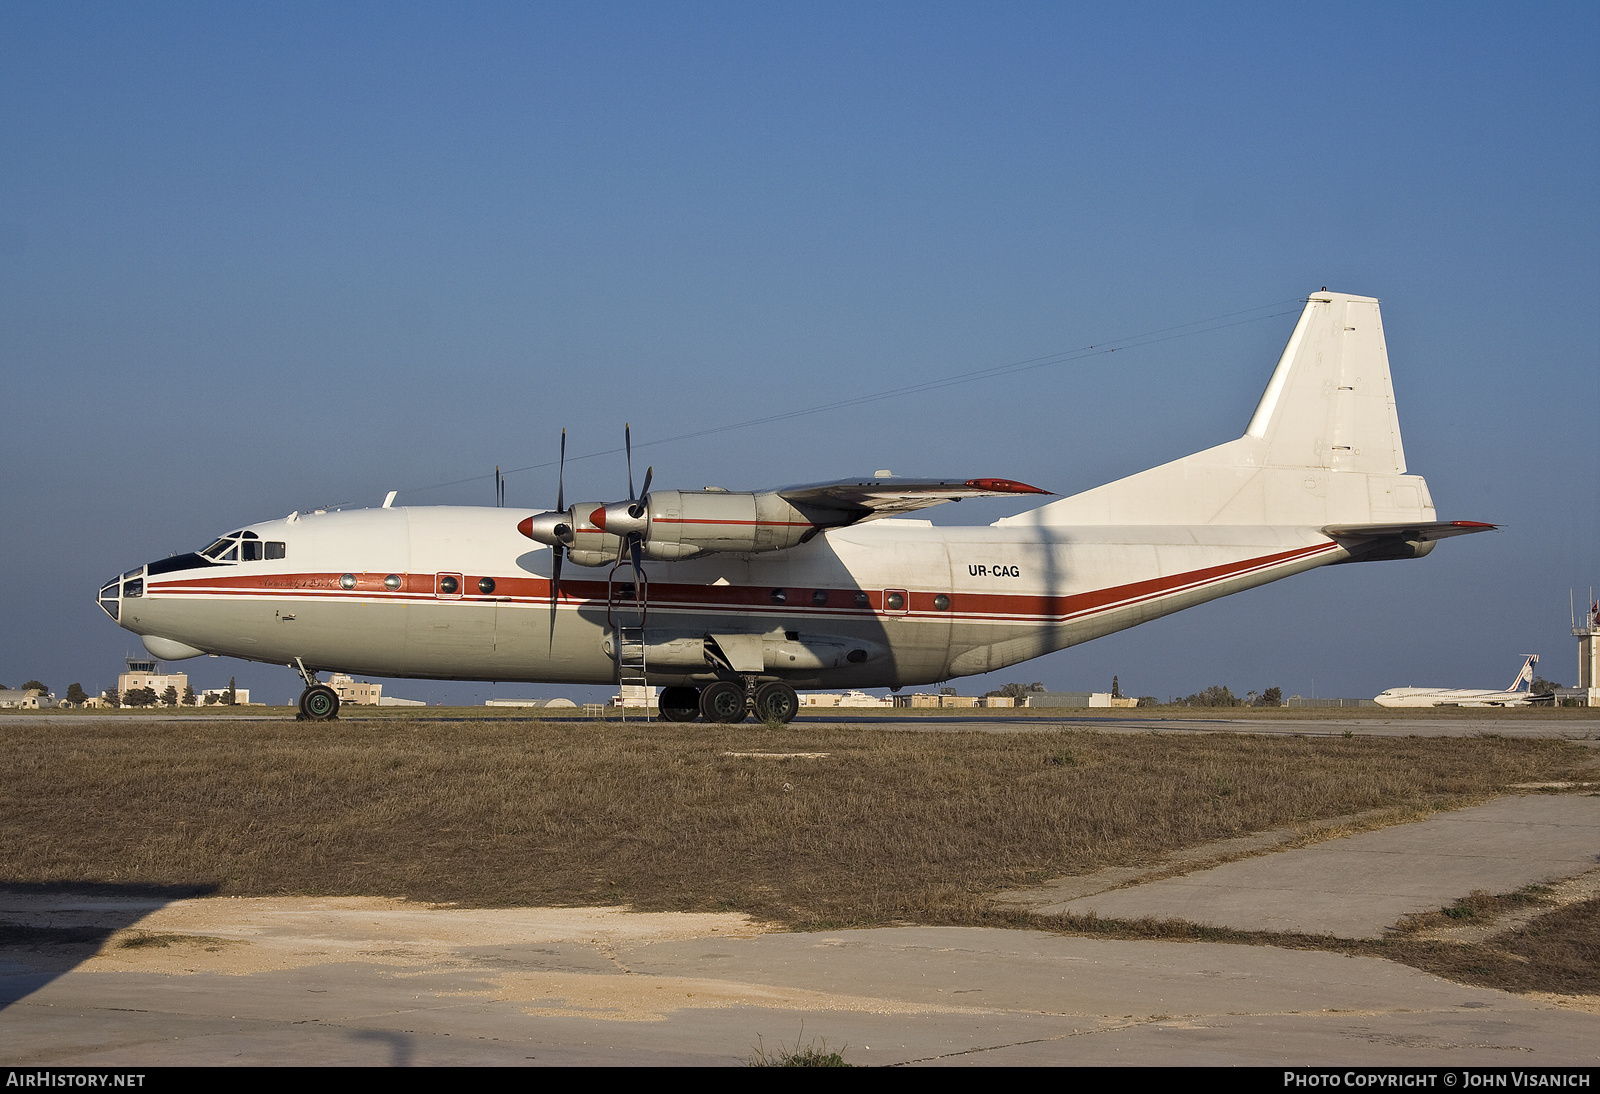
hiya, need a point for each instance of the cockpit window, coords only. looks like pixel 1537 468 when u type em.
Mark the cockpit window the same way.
pixel 244 547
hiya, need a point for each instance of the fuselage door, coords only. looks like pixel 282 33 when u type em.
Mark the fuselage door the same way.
pixel 896 602
pixel 447 586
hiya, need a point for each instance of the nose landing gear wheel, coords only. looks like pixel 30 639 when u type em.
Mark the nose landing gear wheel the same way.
pixel 680 704
pixel 319 704
pixel 722 702
pixel 776 702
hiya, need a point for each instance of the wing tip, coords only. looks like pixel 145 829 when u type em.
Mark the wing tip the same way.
pixel 1005 486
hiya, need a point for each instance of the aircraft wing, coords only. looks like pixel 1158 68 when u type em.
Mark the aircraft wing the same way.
pixel 851 500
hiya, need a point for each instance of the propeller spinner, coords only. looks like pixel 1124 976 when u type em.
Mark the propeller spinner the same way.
pixel 628 520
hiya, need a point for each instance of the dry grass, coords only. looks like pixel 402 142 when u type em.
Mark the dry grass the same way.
pixel 888 827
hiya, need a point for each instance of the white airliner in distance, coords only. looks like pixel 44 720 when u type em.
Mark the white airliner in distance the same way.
pixel 1519 694
pixel 731 601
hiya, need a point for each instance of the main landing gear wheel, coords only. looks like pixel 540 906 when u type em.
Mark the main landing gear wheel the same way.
pixel 319 703
pixel 722 702
pixel 776 702
pixel 680 704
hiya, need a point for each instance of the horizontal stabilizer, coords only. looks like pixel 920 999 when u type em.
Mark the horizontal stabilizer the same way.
pixel 1383 542
pixel 1412 533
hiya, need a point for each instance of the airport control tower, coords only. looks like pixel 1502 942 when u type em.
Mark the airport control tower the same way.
pixel 1588 635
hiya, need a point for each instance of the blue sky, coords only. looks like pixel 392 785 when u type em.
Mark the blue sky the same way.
pixel 256 258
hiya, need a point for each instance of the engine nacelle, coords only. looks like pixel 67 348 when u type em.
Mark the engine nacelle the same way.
pixel 685 523
pixel 674 525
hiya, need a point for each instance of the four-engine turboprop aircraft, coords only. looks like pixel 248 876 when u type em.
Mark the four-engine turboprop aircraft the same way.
pixel 1519 694
pixel 734 600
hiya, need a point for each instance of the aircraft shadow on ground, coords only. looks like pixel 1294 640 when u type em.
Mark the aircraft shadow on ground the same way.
pixel 50 928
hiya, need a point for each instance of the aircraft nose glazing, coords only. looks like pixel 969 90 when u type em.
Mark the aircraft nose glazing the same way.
pixel 114 591
pixel 110 598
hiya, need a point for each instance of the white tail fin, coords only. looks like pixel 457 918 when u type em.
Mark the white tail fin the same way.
pixel 1524 680
pixel 1323 447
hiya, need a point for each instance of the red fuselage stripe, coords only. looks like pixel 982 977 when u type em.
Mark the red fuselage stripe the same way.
pixel 993 607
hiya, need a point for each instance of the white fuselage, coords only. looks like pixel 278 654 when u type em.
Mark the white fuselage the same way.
pixel 801 587
pixel 1451 697
pixel 884 603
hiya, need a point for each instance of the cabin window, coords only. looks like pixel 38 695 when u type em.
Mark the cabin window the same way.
pixel 820 598
pixel 863 600
pixel 392 582
pixel 941 603
pixel 486 585
pixel 449 585
pixel 275 549
pixel 894 601
pixel 779 596
pixel 347 581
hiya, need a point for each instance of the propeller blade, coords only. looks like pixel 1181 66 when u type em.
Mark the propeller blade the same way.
pixel 627 444
pixel 636 548
pixel 557 554
pixel 561 475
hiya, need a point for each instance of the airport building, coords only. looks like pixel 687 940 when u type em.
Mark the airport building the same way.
pixel 1082 700
pixel 635 697
pixel 32 699
pixel 850 698
pixel 364 694
pixel 355 691
pixel 146 673
pixel 1588 635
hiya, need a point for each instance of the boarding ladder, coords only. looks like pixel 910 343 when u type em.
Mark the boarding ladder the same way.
pixel 627 604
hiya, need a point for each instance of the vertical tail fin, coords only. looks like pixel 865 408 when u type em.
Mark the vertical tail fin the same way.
pixel 1322 448
pixel 1524 680
pixel 1330 402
